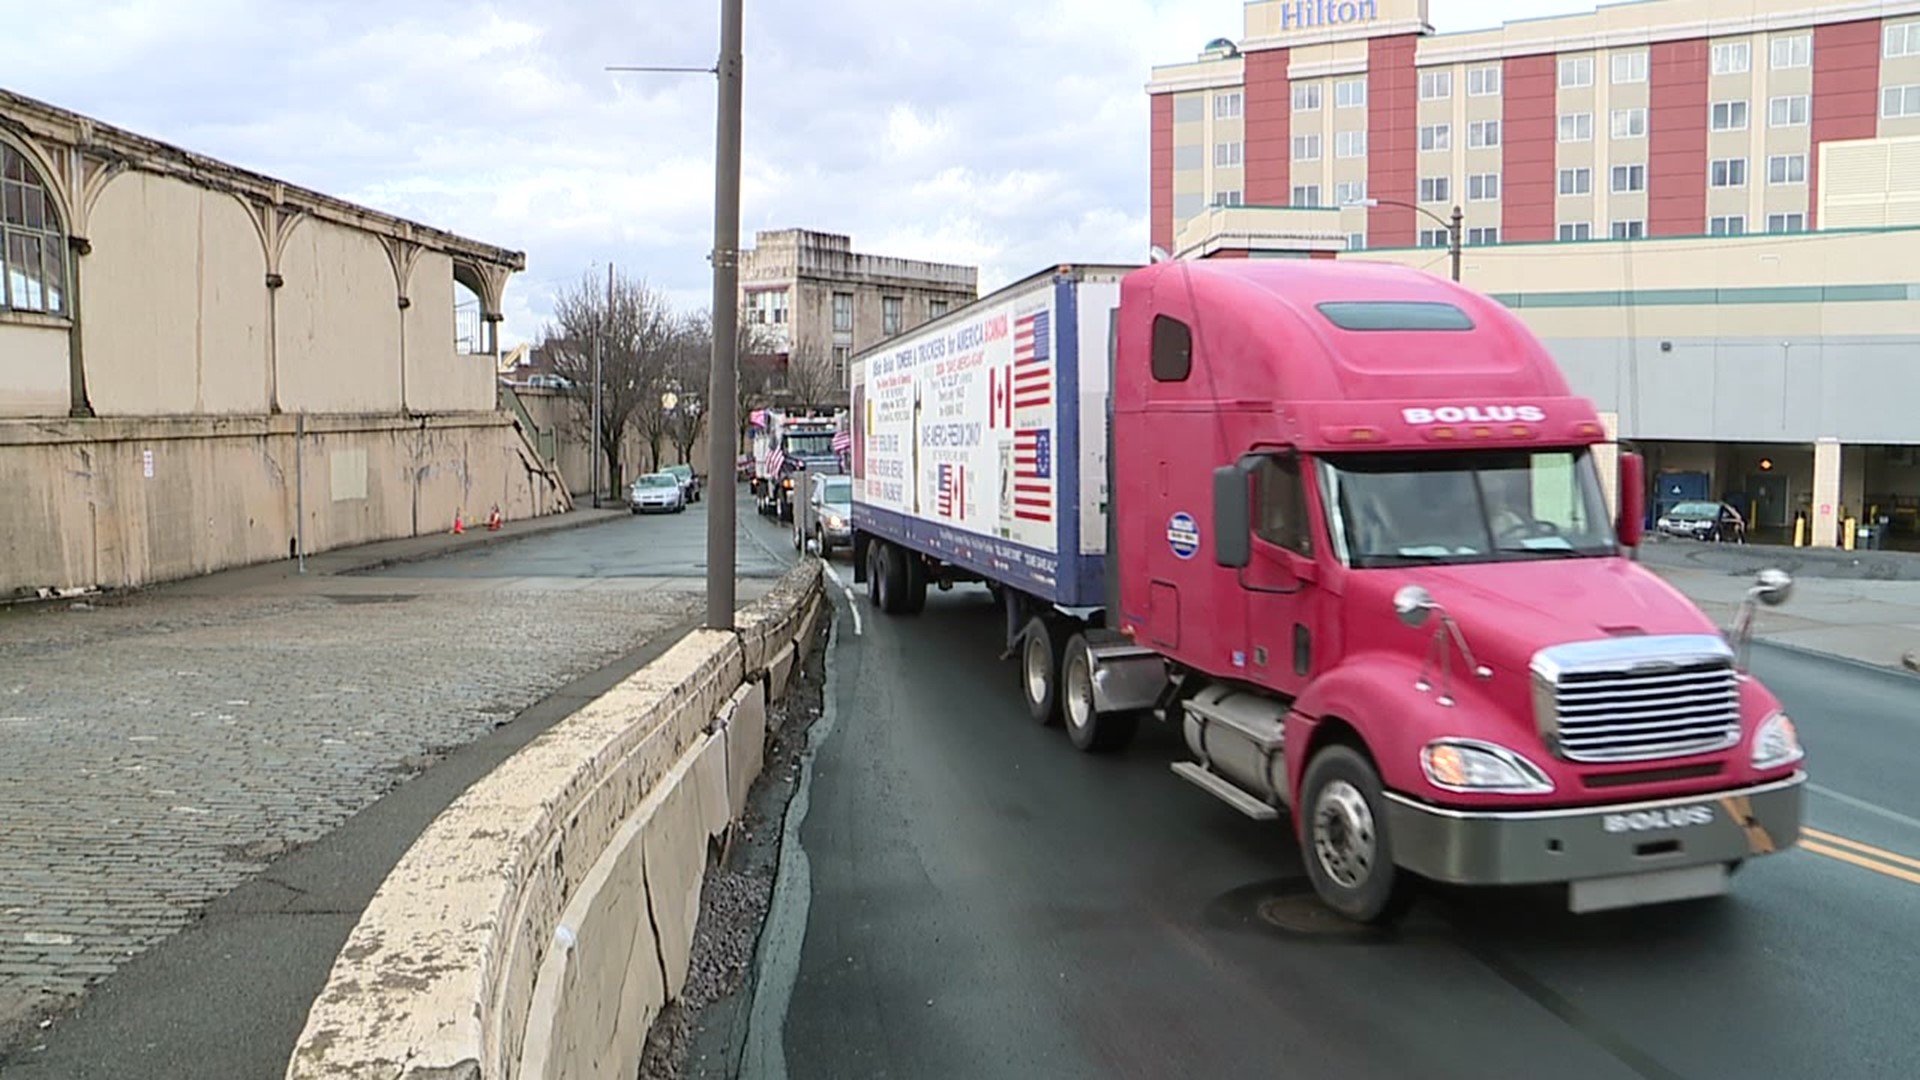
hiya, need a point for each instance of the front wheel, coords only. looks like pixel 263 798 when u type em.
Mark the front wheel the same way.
pixel 1346 845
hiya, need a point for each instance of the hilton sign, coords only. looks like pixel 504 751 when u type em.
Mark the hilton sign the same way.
pixel 1305 14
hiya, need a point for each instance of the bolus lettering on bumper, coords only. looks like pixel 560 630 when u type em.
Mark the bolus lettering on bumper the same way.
pixel 1540 847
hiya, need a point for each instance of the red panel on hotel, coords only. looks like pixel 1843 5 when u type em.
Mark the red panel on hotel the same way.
pixel 1677 138
pixel 1529 135
pixel 1846 93
pixel 1269 116
pixel 1393 121
pixel 1161 204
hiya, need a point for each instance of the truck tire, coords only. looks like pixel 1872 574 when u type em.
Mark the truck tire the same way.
pixel 1344 840
pixel 1040 671
pixel 914 594
pixel 1088 729
pixel 894 572
pixel 873 572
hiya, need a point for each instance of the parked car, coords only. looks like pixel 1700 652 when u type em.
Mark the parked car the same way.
pixel 689 483
pixel 829 513
pixel 1714 521
pixel 657 492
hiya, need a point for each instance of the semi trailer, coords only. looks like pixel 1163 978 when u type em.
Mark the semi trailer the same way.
pixel 1346 525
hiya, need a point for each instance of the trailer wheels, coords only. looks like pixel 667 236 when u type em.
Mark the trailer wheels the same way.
pixel 1086 726
pixel 1040 671
pixel 1345 844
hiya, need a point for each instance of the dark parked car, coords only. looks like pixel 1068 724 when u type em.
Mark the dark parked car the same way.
pixel 1714 521
pixel 689 483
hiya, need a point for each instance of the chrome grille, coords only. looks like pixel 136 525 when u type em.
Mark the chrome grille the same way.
pixel 1637 699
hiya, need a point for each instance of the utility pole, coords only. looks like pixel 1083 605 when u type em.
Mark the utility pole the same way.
pixel 1453 241
pixel 723 402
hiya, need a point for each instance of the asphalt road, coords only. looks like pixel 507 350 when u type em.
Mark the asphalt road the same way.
pixel 985 901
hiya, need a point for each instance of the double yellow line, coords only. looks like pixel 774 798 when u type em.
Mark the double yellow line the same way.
pixel 1862 855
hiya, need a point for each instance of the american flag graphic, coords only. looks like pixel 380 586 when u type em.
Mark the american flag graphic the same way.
pixel 776 458
pixel 952 500
pixel 1033 475
pixel 1032 374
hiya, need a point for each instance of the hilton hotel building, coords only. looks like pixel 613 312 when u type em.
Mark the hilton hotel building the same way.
pixel 1708 209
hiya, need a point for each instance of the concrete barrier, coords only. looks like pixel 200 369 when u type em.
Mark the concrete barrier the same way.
pixel 540 923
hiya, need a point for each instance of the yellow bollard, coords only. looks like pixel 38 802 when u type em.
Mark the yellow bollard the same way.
pixel 1799 531
pixel 1847 542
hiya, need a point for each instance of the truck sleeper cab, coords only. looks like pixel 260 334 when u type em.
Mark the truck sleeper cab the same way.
pixel 1359 548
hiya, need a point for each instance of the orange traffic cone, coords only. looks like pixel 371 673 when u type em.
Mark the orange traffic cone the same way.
pixel 493 519
pixel 458 525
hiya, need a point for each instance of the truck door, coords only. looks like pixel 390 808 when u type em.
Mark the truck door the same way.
pixel 1279 585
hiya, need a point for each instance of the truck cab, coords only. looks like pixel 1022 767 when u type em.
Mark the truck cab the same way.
pixel 1360 524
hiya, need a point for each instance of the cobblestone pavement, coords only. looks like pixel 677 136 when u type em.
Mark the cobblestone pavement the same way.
pixel 155 752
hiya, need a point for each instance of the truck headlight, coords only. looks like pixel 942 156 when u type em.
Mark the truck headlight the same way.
pixel 1776 743
pixel 1469 765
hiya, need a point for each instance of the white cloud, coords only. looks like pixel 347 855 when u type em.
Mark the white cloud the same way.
pixel 1007 134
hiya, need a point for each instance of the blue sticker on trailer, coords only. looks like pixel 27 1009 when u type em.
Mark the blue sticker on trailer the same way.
pixel 1183 535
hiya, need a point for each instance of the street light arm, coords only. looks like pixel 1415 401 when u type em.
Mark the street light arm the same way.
pixel 1436 218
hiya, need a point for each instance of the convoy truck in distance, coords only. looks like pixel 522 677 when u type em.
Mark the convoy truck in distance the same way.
pixel 1344 523
pixel 786 446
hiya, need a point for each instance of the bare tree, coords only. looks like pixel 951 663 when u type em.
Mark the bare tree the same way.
pixel 759 373
pixel 811 377
pixel 635 332
pixel 688 376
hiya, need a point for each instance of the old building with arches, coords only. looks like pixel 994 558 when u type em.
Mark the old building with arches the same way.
pixel 203 367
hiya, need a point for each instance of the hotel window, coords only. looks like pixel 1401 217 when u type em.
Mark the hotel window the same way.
pixel 1226 155
pixel 1898 101
pixel 1435 85
pixel 1732 58
pixel 1189 156
pixel 1731 225
pixel 1483 187
pixel 1630 123
pixel 1792 52
pixel 1787 169
pixel 1306 195
pixel 1435 238
pixel 1729 116
pixel 1356 241
pixel 1631 229
pixel 1630 67
pixel 1484 235
pixel 1728 172
pixel 1576 181
pixel 1576 230
pixel 843 311
pixel 1576 71
pixel 1306 148
pixel 1576 127
pixel 1306 97
pixel 1483 133
pixel 1787 111
pixel 1230 197
pixel 1350 94
pixel 1436 137
pixel 1350 144
pixel 1902 40
pixel 1349 191
pixel 1786 223
pixel 1436 188
pixel 1629 178
pixel 1226 106
pixel 1483 82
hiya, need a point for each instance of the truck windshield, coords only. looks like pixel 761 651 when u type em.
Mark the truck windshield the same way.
pixel 820 445
pixel 1399 509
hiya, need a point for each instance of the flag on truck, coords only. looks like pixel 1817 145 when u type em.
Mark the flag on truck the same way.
pixel 1032 374
pixel 1033 475
pixel 952 501
pixel 757 418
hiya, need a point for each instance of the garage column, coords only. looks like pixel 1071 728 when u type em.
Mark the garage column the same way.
pixel 1826 494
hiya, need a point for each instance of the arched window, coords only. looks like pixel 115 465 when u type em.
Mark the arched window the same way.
pixel 33 256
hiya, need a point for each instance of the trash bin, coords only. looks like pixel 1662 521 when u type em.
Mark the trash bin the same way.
pixel 1867 538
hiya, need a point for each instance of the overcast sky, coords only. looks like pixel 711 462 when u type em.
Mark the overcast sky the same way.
pixel 1006 134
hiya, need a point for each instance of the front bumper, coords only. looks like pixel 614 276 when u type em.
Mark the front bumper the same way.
pixel 1550 846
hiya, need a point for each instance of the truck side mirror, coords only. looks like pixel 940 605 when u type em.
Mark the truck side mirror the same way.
pixel 1633 499
pixel 1232 517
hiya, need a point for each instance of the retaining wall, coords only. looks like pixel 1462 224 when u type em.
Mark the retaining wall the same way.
pixel 540 923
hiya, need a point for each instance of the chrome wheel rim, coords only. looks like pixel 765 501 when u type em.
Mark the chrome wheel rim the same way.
pixel 1344 839
pixel 1079 693
pixel 1036 669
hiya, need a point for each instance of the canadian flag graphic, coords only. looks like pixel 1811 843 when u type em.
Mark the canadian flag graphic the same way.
pixel 1000 386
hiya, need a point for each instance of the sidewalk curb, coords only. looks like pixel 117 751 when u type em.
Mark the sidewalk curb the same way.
pixel 1902 675
pixel 381 562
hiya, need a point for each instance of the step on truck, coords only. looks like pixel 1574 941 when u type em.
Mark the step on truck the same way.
pixel 1345 524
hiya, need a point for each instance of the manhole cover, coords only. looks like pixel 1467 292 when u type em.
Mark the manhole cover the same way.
pixel 1303 915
